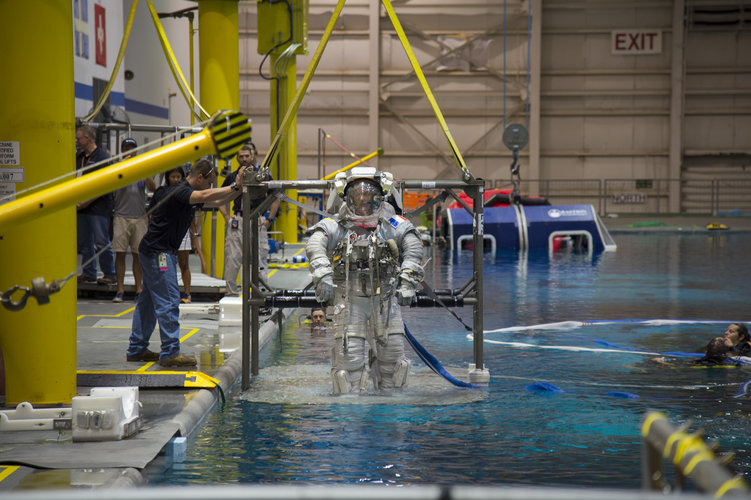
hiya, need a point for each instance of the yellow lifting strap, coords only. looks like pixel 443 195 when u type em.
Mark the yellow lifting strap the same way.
pixel 190 99
pixel 295 104
pixel 292 109
pixel 424 83
pixel 123 44
pixel 377 152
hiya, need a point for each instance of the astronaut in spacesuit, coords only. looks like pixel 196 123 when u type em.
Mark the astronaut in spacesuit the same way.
pixel 366 262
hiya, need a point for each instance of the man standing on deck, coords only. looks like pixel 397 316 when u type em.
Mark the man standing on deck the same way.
pixel 160 298
pixel 233 236
pixel 93 216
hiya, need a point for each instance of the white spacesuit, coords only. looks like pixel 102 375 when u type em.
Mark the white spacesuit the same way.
pixel 366 262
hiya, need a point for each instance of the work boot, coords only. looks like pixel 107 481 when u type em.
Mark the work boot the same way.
pixel 179 360
pixel 144 356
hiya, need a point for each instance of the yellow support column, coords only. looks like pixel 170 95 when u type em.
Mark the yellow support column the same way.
pixel 219 76
pixel 37 117
pixel 287 158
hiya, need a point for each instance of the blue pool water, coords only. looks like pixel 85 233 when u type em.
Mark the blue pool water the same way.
pixel 288 428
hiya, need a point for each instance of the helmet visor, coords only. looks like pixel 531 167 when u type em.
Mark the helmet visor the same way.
pixel 363 198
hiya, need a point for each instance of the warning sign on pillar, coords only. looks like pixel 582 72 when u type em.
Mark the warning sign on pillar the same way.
pixel 10 153
pixel 636 42
pixel 100 35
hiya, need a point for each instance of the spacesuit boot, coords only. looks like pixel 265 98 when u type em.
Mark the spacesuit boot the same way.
pixel 349 372
pixel 391 367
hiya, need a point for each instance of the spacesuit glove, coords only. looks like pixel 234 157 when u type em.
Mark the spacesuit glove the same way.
pixel 404 294
pixel 325 289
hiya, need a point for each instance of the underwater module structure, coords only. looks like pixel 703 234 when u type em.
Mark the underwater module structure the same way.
pixel 531 227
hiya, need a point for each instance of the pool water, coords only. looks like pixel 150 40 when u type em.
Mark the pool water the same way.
pixel 567 320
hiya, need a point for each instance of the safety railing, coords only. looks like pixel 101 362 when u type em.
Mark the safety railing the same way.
pixel 560 191
pixel 642 196
pixel 691 457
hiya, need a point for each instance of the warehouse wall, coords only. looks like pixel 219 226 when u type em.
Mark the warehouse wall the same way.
pixel 598 112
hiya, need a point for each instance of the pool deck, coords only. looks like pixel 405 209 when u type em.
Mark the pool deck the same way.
pixel 169 408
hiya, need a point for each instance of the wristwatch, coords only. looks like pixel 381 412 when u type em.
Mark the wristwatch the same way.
pixel 234 186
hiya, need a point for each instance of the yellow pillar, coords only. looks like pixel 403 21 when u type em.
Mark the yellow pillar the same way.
pixel 287 157
pixel 37 113
pixel 219 76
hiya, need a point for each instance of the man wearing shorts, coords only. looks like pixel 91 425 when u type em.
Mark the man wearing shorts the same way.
pixel 130 223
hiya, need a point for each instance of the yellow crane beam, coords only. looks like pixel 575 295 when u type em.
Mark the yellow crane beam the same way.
pixel 224 135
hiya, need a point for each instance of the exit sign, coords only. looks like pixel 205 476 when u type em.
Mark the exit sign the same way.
pixel 636 42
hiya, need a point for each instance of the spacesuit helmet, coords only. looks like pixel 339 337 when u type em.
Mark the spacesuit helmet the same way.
pixel 364 197
pixel 364 190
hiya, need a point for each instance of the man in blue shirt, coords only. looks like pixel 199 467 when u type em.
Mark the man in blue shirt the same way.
pixel 172 214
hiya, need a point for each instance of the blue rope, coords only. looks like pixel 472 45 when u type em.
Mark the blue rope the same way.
pixel 433 363
pixel 541 387
pixel 675 354
pixel 546 387
pixel 743 389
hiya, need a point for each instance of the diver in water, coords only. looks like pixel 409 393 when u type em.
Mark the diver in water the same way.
pixel 737 340
pixel 733 344
pixel 318 321
pixel 715 353
pixel 366 262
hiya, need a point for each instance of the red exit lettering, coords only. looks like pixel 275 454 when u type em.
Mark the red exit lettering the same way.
pixel 636 42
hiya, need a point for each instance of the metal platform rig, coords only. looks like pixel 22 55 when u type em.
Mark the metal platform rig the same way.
pixel 254 298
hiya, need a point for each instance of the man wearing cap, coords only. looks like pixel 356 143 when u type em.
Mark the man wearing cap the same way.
pixel 130 222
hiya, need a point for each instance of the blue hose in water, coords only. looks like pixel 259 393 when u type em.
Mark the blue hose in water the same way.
pixel 434 364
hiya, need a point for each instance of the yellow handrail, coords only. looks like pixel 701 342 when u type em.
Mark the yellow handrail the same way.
pixel 377 152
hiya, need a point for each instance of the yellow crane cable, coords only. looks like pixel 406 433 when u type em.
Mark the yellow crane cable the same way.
pixel 297 99
pixel 424 83
pixel 175 67
pixel 120 55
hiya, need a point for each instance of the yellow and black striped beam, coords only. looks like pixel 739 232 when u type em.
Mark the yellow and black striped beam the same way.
pixel 226 133
pixel 230 130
